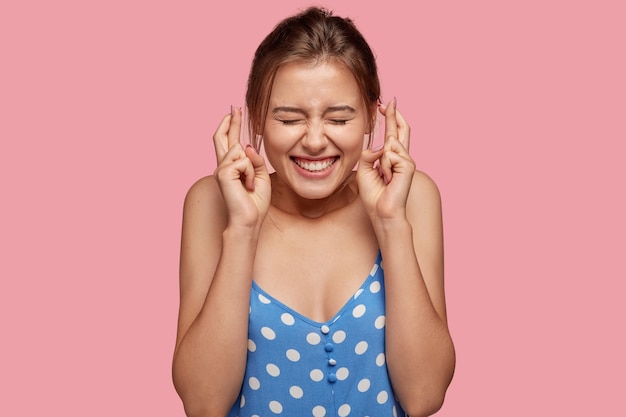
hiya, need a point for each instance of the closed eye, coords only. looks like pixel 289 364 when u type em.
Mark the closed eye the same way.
pixel 289 121
pixel 338 121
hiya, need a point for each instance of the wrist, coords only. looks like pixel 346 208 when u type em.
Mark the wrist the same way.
pixel 392 228
pixel 241 234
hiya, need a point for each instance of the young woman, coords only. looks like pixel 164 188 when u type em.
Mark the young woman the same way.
pixel 316 290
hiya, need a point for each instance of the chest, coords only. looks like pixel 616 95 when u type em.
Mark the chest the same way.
pixel 314 267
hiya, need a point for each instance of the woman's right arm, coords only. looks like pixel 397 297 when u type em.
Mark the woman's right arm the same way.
pixel 221 222
pixel 215 277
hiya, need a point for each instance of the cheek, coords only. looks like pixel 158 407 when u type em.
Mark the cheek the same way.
pixel 351 137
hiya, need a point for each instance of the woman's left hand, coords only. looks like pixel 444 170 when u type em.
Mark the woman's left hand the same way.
pixel 384 175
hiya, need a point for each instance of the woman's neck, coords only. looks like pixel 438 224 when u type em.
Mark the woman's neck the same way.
pixel 286 200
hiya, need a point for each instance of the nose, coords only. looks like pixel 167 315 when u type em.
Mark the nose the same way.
pixel 314 139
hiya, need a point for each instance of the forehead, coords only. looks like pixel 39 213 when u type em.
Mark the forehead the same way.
pixel 314 82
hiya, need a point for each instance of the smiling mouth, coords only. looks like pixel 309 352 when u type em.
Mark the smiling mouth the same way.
pixel 315 166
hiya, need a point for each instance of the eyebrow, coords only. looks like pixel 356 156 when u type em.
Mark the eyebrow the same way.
pixel 330 109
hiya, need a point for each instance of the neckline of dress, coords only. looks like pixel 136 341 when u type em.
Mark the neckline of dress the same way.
pixel 342 309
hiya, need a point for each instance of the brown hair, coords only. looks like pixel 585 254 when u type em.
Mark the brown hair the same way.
pixel 313 35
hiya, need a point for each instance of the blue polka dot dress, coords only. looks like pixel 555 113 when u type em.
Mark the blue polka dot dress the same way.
pixel 299 368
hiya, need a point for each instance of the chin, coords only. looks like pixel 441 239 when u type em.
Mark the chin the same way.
pixel 310 190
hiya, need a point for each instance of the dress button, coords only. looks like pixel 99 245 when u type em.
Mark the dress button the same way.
pixel 332 378
pixel 329 347
pixel 325 329
pixel 332 362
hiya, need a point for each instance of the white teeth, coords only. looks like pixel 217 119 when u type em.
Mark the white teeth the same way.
pixel 315 166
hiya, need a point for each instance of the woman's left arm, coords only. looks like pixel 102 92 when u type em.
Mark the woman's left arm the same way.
pixel 419 350
pixel 404 206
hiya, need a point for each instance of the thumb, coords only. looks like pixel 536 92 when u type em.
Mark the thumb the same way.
pixel 257 160
pixel 369 158
pixel 258 164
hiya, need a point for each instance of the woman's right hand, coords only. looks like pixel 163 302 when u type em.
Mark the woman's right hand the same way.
pixel 241 174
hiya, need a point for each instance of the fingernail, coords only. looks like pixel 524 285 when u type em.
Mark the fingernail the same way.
pixel 232 110
pixel 378 148
pixel 394 103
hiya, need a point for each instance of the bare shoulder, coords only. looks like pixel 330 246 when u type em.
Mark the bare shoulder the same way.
pixel 204 202
pixel 424 195
pixel 203 191
pixel 204 219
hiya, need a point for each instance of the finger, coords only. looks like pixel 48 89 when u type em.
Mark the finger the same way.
pixel 395 159
pixel 369 165
pixel 231 171
pixel 247 175
pixel 369 158
pixel 386 166
pixel 235 126
pixel 258 165
pixel 404 130
pixel 391 125
pixel 257 160
pixel 220 138
pixel 395 145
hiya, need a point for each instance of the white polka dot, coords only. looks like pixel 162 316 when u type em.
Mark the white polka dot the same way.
pixel 374 269
pixel 395 411
pixel 342 374
pixel 382 397
pixel 358 311
pixel 359 292
pixel 360 348
pixel 251 345
pixel 287 319
pixel 268 333
pixel 242 401
pixel 254 383
pixel 380 359
pixel 344 410
pixel 379 323
pixel 364 385
pixel 375 287
pixel 339 336
pixel 316 375
pixel 318 411
pixel 272 369
pixel 264 299
pixel 296 392
pixel 276 407
pixel 293 355
pixel 255 415
pixel 313 338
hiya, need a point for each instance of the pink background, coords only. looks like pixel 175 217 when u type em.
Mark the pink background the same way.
pixel 518 111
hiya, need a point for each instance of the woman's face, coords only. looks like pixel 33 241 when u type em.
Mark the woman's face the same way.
pixel 315 127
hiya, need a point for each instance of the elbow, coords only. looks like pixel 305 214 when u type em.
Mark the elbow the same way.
pixel 199 403
pixel 193 405
pixel 195 411
pixel 203 409
pixel 426 400
pixel 426 404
